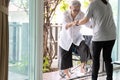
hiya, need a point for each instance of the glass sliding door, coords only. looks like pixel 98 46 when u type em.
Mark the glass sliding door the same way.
pixel 21 41
pixel 25 39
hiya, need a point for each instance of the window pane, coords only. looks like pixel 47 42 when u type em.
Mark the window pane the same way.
pixel 19 39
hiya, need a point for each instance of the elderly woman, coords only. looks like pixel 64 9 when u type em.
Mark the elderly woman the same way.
pixel 71 39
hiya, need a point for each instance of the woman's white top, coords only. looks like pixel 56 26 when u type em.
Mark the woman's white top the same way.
pixel 72 34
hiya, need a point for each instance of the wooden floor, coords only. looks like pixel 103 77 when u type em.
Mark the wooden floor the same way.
pixel 55 76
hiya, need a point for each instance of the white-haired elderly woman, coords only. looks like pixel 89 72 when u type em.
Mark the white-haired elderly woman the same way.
pixel 71 39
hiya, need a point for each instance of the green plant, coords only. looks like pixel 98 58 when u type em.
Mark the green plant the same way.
pixel 63 5
pixel 86 3
pixel 50 7
pixel 46 64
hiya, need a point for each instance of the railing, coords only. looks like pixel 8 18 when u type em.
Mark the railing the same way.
pixel 54 32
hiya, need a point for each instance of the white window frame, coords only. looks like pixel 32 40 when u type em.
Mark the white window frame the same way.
pixel 36 25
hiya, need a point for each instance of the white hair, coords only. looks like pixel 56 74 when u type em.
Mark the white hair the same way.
pixel 75 3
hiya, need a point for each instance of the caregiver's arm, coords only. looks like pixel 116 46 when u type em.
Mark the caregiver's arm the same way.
pixel 83 21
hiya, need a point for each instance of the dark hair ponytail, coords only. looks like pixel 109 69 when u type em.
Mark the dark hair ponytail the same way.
pixel 104 1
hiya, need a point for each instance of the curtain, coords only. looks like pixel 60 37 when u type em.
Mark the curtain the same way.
pixel 4 39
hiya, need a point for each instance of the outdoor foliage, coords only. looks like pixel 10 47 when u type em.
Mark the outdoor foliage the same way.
pixel 50 7
pixel 63 5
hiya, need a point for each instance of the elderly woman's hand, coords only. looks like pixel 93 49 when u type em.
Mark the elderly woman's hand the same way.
pixel 72 24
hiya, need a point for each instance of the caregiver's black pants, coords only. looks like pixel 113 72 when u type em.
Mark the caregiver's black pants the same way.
pixel 107 47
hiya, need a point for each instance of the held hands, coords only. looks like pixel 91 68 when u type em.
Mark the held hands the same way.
pixel 72 24
pixel 77 23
